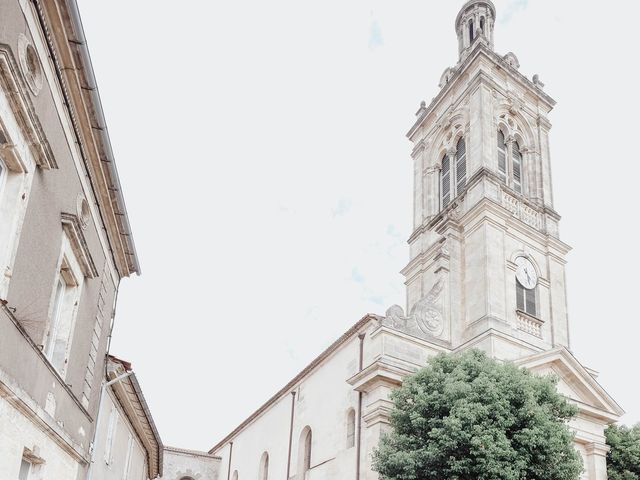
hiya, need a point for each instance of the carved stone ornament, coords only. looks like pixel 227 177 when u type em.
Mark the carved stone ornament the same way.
pixel 426 319
pixel 30 64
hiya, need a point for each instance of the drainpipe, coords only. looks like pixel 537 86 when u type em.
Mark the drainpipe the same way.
pixel 359 440
pixel 293 406
pixel 230 453
pixel 105 385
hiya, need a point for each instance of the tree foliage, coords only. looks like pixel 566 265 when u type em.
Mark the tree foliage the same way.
pixel 623 460
pixel 469 417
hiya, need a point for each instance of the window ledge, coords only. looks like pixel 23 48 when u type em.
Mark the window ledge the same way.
pixel 529 324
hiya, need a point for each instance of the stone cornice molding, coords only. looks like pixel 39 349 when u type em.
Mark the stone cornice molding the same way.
pixel 129 395
pixel 63 34
pixel 480 49
pixel 14 87
pixel 73 229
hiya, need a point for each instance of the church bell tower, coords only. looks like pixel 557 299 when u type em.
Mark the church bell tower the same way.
pixel 486 265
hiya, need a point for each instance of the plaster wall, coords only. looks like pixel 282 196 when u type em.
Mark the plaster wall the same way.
pixel 115 468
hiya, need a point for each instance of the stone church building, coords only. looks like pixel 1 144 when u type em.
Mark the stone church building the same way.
pixel 486 271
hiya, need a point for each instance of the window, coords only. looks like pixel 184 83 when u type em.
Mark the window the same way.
pixel 482 25
pixel 526 300
pixel 62 316
pixel 264 467
pixel 517 168
pixel 461 165
pixel 510 172
pixel 351 428
pixel 304 452
pixel 127 461
pixel 445 176
pixel 453 175
pixel 470 32
pixel 111 436
pixel 25 469
pixel 502 157
pixel 235 475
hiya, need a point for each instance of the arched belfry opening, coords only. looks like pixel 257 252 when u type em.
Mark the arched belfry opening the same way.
pixel 476 19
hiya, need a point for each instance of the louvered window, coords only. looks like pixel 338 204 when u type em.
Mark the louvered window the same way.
pixel 517 168
pixel 445 176
pixel 502 157
pixel 461 165
pixel 526 300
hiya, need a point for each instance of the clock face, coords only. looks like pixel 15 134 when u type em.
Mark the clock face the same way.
pixel 526 273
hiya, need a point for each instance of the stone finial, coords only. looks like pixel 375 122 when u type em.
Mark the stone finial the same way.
pixel 422 109
pixel 537 82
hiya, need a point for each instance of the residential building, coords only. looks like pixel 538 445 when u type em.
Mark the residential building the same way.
pixel 65 242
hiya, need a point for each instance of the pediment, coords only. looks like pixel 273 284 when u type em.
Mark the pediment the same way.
pixel 575 382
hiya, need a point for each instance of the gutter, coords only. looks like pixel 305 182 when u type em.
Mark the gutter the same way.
pixel 81 44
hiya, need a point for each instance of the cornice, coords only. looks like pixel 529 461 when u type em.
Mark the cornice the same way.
pixel 459 70
pixel 72 227
pixel 67 48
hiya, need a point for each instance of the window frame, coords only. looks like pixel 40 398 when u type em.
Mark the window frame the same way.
pixel 527 295
pixel 513 155
pixel 449 176
pixel 63 310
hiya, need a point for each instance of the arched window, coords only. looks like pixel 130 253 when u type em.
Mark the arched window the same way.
pixel 304 452
pixel 517 167
pixel 470 32
pixel 351 428
pixel 445 178
pixel 526 286
pixel 502 156
pixel 482 26
pixel 453 174
pixel 264 467
pixel 510 172
pixel 186 478
pixel 526 300
pixel 461 165
pixel 235 475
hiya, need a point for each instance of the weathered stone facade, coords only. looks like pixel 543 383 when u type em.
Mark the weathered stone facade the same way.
pixel 65 242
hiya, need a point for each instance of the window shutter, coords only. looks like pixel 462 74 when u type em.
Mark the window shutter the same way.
pixel 520 304
pixel 445 176
pixel 461 165
pixel 517 168
pixel 531 302
pixel 502 157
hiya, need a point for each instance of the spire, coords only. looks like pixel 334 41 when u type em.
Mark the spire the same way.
pixel 474 23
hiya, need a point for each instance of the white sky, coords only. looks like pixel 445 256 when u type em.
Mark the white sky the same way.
pixel 261 147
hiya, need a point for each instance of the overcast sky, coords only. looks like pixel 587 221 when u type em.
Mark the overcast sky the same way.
pixel 261 147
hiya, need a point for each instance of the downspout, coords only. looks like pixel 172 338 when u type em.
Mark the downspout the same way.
pixel 358 438
pixel 105 385
pixel 293 406
pixel 230 454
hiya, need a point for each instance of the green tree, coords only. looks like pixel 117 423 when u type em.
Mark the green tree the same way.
pixel 469 417
pixel 623 460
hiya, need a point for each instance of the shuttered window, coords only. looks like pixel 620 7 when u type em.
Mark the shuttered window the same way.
pixel 517 168
pixel 445 176
pixel 502 157
pixel 526 300
pixel 461 165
